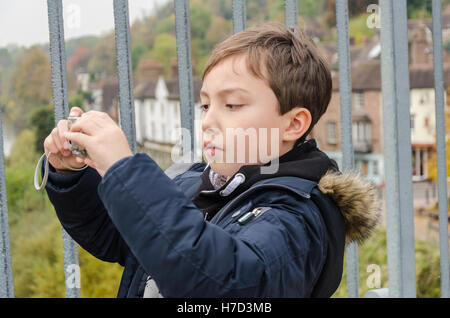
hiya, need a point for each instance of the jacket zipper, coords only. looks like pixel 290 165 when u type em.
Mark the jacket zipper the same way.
pixel 271 185
pixel 252 215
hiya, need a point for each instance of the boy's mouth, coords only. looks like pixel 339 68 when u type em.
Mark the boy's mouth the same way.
pixel 210 148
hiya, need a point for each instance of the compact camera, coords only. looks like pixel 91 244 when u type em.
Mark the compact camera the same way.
pixel 76 149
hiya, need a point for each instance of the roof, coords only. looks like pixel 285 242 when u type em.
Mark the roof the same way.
pixel 146 89
pixel 366 75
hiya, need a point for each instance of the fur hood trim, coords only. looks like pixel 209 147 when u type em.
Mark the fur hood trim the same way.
pixel 357 200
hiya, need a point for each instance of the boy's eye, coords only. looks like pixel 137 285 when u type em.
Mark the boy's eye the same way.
pixel 205 106
pixel 233 106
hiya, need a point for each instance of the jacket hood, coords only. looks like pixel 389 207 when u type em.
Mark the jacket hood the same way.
pixel 357 200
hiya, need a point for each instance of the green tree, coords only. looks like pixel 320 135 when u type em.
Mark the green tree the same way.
pixel 218 31
pixel 166 25
pixel 137 50
pixel 418 7
pixel 80 99
pixel 200 20
pixel 311 8
pixel 164 50
pixel 42 121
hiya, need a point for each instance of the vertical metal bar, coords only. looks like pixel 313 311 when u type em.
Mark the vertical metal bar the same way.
pixel 397 145
pixel 58 61
pixel 126 100
pixel 6 279
pixel 440 148
pixel 345 91
pixel 239 16
pixel 185 81
pixel 291 13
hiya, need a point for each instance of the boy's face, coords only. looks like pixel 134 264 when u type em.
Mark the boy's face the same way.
pixel 240 116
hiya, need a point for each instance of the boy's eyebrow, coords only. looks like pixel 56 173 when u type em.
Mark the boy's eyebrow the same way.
pixel 225 91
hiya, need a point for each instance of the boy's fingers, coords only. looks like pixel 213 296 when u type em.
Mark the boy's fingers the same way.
pixel 90 163
pixel 76 112
pixel 57 139
pixel 63 127
pixel 50 146
pixel 78 138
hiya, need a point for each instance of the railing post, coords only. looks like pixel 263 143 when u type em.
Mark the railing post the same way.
pixel 290 13
pixel 440 148
pixel 239 15
pixel 6 279
pixel 345 93
pixel 185 81
pixel 124 71
pixel 58 62
pixel 397 145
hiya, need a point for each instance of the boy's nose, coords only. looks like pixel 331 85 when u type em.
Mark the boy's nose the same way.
pixel 210 119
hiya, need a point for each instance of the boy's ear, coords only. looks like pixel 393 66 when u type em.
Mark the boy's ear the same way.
pixel 298 121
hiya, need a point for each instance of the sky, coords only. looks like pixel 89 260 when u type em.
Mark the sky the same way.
pixel 25 22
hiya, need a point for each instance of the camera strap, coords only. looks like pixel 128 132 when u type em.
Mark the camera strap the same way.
pixel 45 177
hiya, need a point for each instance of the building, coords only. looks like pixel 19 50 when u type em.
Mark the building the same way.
pixel 157 114
pixel 367 105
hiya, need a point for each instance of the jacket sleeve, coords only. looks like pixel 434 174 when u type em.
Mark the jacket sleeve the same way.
pixel 186 255
pixel 83 215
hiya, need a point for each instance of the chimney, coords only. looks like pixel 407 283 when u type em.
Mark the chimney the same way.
pixel 174 68
pixel 352 41
pixel 149 69
pixel 419 45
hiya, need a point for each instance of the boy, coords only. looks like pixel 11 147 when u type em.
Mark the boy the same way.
pixel 222 229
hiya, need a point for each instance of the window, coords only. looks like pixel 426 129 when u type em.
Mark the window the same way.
pixel 412 121
pixel 375 168
pixel 358 100
pixel 331 133
pixel 361 131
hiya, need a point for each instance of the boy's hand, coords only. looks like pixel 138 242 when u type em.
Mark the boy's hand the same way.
pixel 102 138
pixel 56 143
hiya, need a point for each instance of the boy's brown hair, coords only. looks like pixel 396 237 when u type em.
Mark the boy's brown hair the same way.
pixel 288 60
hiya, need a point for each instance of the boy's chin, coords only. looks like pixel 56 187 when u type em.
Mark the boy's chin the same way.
pixel 225 169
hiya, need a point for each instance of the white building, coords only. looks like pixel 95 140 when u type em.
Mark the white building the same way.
pixel 158 118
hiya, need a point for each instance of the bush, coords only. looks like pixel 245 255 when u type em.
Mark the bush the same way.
pixel 38 263
pixel 374 251
pixel 21 195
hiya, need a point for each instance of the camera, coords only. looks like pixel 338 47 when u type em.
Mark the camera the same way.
pixel 76 149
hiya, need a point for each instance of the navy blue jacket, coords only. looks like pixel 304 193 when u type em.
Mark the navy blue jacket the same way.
pixel 292 245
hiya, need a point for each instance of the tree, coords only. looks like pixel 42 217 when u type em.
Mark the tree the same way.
pixel 103 60
pixel 166 25
pixel 164 50
pixel 42 122
pixel 137 50
pixel 218 31
pixel 418 7
pixel 80 99
pixel 200 20
pixel 29 86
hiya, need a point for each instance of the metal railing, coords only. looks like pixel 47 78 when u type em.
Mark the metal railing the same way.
pixel 396 125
